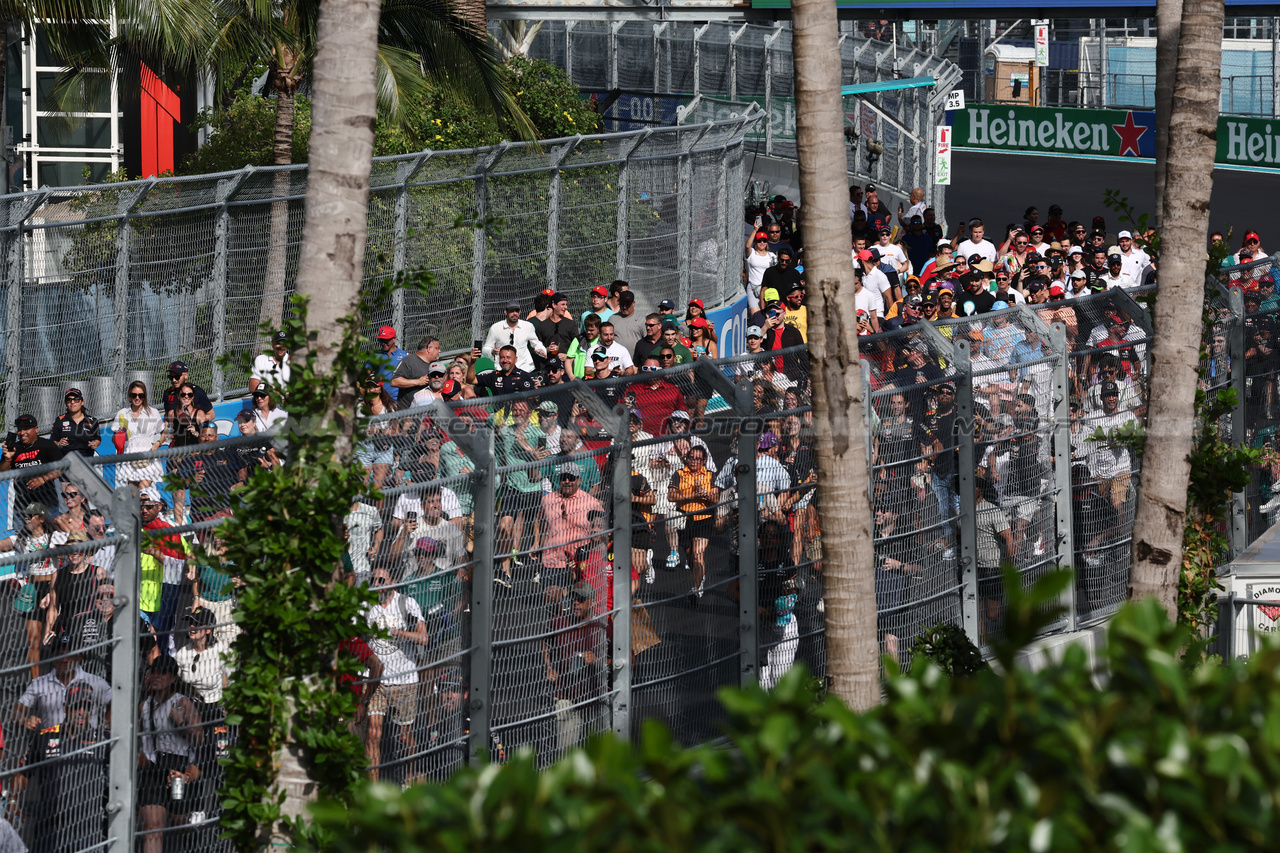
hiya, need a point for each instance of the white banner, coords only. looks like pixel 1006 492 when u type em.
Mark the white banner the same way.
pixel 1042 44
pixel 942 162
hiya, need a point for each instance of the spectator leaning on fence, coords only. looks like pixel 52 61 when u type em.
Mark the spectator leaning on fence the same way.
pixel 272 369
pixel 26 449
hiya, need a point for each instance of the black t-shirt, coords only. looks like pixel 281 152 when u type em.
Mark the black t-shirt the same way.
pixel 78 435
pixel 75 594
pixel 42 451
pixel 202 403
pixel 562 332
pixel 496 383
pixel 220 469
pixel 783 279
pixel 71 770
pixel 982 301
pixel 186 429
pixel 645 348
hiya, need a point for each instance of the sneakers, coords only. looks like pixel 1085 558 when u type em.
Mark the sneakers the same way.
pixel 501 579
pixel 673 561
pixel 650 576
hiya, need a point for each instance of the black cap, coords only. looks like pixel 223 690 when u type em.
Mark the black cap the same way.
pixel 1110 389
pixel 79 693
pixel 244 416
pixel 164 663
pixel 280 337
pixel 626 297
pixel 666 305
pixel 25 422
pixel 1114 259
pixel 554 364
pixel 200 616
pixel 73 392
pixel 177 368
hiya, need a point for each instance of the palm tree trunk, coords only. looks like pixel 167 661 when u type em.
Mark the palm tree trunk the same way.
pixel 1168 24
pixel 1175 352
pixel 272 307
pixel 847 558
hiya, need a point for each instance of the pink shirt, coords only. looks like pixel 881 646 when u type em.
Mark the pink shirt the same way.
pixel 567 525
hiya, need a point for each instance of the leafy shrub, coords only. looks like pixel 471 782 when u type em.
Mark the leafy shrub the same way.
pixel 1165 756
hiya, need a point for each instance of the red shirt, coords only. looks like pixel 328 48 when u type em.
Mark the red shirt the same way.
pixel 656 404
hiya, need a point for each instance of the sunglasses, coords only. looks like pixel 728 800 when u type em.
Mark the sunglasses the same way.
pixel 568 478
pixel 71 494
pixel 192 396
pixel 75 399
pixel 136 396
pixel 652 325
pixel 648 368
pixel 666 356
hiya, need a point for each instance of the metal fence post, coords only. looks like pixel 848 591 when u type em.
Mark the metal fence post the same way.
pixel 684 215
pixel 1236 344
pixel 768 90
pixel 13 324
pixel 657 55
pixel 1275 68
pixel 968 521
pixel 553 211
pixel 623 212
pixel 404 173
pixel 124 237
pixel 613 53
pixel 484 163
pixel 697 59
pixel 1062 460
pixel 478 446
pixel 226 191
pixel 568 49
pixel 123 763
pixel 733 61
pixel 621 693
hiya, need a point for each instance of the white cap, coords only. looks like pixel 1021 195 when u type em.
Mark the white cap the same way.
pixel 1075 250
pixel 944 242
pixel 1124 234
pixel 754 332
pixel 1079 274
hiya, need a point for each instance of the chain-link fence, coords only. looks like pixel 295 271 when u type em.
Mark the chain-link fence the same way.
pixel 103 285
pixel 667 71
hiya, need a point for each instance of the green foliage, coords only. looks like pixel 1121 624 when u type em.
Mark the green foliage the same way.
pixel 950 648
pixel 1162 756
pixel 287 537
pixel 242 132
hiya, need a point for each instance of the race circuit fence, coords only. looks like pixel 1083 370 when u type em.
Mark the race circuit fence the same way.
pixel 670 72
pixel 101 285
pixel 582 557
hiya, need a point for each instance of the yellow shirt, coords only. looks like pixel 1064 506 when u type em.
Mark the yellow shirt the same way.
pixel 798 317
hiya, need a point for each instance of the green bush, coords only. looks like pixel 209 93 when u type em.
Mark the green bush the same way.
pixel 1165 755
pixel 242 134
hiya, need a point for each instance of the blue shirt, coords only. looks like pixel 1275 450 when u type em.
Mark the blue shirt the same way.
pixel 384 372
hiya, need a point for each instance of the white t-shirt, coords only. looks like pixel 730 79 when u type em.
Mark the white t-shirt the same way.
pixel 1107 459
pixel 397 668
pixel 869 301
pixel 891 252
pixel 265 369
pixel 756 265
pixel 878 282
pixel 1133 263
pixel 424 397
pixel 141 430
pixel 412 502
pixel 983 247
pixel 270 419
pixel 1122 281
pixel 619 358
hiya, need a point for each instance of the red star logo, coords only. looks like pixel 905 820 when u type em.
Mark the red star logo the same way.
pixel 1130 133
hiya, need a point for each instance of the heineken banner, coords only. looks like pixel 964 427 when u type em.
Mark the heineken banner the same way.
pixel 1119 134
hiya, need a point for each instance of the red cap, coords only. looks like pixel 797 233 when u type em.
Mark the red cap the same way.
pixel 450 389
pixel 600 291
pixel 1056 290
pixel 864 255
pixel 699 322
pixel 697 302
pixel 1252 235
pixel 386 333
pixel 760 235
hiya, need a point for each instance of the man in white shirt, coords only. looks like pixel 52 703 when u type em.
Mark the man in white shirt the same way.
pixel 619 357
pixel 397 692
pixel 1109 460
pixel 1116 277
pixel 1132 259
pixel 874 279
pixel 271 369
pixel 891 252
pixel 864 299
pixel 916 209
pixel 517 333
pixel 976 245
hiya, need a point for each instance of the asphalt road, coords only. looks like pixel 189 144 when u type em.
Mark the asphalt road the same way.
pixel 999 187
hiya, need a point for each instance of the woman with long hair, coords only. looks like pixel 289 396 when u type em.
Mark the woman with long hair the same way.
pixel 184 420
pixel 139 429
pixel 702 338
pixel 34 597
pixel 576 355
pixel 376 451
pixel 458 373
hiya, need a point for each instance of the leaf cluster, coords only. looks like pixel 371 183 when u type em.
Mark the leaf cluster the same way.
pixel 1164 755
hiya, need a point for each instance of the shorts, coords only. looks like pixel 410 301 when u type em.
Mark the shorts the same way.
pixel 153 783
pixel 511 502
pixel 1021 507
pixel 400 699
pixel 368 456
pixel 640 537
pixel 700 528
pixel 1116 489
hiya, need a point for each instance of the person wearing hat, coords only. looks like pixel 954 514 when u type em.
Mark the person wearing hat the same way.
pixel 576 652
pixel 43 702
pixel 514 332
pixel 200 403
pixel 74 430
pixel 1250 249
pixel 67 761
pixel 599 298
pixel 1132 258
pixel 759 259
pixel 875 279
pixel 272 368
pixel 1054 227
pixel 412 373
pixel 975 298
pixel 770 302
pixel 24 448
pixel 392 356
pixel 891 253
pixel 563 522
pixel 170 730
pixel 976 242
pixel 655 397
pixel 1109 462
pixel 1079 284
pixel 783 277
pixel 1116 276
pixel 628 323
pixel 671 339
pixel 938 264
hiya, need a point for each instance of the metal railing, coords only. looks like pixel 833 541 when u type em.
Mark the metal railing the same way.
pixel 101 285
pixel 745 63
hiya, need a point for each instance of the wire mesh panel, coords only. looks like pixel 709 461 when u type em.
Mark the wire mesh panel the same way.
pixel 685 631
pixel 56 591
pixel 1109 368
pixel 913 431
